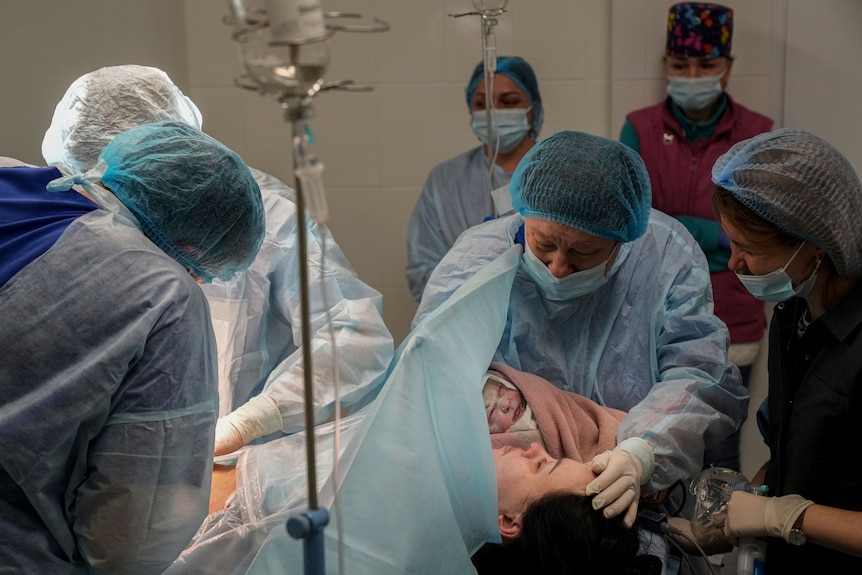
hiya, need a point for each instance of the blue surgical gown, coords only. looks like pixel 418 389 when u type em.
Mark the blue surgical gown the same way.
pixel 257 319
pixel 456 196
pixel 646 342
pixel 107 400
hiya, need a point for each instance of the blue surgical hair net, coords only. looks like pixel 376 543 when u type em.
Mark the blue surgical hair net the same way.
pixel 521 73
pixel 194 198
pixel 587 182
pixel 804 186
pixel 106 102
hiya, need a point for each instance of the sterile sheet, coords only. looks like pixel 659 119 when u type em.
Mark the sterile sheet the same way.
pixel 418 491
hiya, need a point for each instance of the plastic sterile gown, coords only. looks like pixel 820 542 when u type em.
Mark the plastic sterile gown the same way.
pixel 257 320
pixel 646 342
pixel 107 393
pixel 456 195
pixel 418 489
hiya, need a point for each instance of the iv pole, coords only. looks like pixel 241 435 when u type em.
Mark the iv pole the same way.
pixel 489 10
pixel 294 83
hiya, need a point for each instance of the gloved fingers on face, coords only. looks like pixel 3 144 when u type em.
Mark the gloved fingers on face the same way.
pixel 600 462
pixel 617 496
pixel 604 478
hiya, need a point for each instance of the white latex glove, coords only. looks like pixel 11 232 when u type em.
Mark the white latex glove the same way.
pixel 259 416
pixel 621 473
pixel 750 515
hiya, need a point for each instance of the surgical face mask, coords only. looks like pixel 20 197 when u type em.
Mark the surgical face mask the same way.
pixel 510 127
pixel 694 94
pixel 777 286
pixel 572 286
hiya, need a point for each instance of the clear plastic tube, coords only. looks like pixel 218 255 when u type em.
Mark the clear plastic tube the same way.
pixel 489 55
pixel 311 180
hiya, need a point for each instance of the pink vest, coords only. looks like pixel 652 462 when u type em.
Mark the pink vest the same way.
pixel 681 178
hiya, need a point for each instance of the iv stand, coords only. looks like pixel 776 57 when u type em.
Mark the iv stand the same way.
pixel 296 102
pixel 307 526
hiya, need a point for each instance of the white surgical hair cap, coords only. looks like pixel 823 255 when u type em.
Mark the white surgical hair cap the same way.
pixel 106 102
pixel 804 186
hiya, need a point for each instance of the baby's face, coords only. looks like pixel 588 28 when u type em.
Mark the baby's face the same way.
pixel 505 411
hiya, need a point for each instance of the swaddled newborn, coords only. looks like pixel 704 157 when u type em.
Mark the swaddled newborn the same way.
pixel 505 406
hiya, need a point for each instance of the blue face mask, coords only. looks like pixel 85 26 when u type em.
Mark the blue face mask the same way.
pixel 569 287
pixel 694 94
pixel 510 127
pixel 777 286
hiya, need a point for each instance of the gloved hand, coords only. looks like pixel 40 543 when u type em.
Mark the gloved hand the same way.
pixel 621 474
pixel 750 515
pixel 259 416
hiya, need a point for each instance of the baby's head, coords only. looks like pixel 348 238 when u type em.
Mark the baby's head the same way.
pixel 504 405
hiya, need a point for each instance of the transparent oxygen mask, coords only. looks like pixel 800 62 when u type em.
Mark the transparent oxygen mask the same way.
pixel 712 489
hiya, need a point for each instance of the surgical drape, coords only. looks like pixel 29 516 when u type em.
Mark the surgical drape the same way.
pixel 418 487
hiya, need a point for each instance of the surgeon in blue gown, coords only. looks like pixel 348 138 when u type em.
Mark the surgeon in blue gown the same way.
pixel 108 391
pixel 256 314
pixel 612 300
pixel 457 192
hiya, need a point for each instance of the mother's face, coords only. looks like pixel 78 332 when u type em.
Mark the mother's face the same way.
pixel 524 476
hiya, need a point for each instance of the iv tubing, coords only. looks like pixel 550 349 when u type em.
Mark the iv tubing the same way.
pixel 489 56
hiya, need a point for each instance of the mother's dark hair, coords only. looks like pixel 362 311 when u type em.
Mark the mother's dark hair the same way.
pixel 561 533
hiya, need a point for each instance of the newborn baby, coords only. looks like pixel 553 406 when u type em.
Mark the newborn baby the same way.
pixel 505 406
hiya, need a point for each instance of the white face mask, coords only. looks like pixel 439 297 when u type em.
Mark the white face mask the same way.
pixel 510 127
pixel 694 94
pixel 565 288
pixel 777 286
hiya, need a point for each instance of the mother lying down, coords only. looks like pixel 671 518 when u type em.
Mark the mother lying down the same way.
pixel 541 501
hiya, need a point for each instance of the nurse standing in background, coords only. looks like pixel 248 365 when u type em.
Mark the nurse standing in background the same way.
pixel 679 140
pixel 457 193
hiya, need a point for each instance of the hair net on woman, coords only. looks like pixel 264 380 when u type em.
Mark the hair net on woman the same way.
pixel 780 175
pixel 192 196
pixel 552 183
pixel 521 73
pixel 108 101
